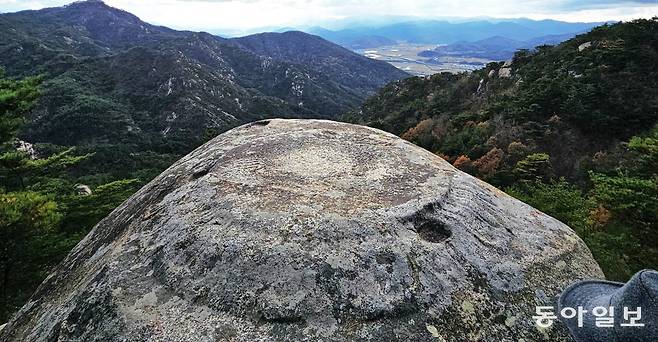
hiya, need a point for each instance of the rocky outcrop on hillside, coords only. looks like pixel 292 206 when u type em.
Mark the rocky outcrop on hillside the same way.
pixel 291 230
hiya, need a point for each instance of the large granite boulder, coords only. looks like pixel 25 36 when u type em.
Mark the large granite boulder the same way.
pixel 292 230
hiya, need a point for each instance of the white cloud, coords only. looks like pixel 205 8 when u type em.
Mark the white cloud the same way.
pixel 247 15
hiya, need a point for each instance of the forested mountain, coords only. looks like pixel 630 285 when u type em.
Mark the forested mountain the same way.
pixel 339 64
pixel 570 129
pixel 112 77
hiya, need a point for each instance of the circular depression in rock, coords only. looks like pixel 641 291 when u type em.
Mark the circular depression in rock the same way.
pixel 326 170
pixel 433 231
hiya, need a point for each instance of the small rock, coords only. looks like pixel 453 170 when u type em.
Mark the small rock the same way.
pixel 433 330
pixel 481 86
pixel 27 148
pixel 83 190
pixel 555 119
pixel 505 73
pixel 510 321
pixel 584 46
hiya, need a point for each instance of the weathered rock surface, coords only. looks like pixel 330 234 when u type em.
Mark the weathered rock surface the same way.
pixel 584 46
pixel 291 230
pixel 83 189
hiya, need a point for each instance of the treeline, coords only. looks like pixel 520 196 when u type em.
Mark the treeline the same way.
pixel 569 129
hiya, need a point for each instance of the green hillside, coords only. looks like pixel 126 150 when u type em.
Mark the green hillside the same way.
pixel 570 129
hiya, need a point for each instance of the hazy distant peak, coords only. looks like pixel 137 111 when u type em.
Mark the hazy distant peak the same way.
pixel 91 5
pixel 290 34
pixel 86 2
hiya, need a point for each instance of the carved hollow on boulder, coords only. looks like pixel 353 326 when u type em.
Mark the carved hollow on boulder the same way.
pixel 310 230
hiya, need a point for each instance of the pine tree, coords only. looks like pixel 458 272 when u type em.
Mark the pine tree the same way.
pixel 41 214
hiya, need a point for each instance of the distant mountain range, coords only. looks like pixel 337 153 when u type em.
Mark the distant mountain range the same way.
pixel 112 78
pixel 446 32
pixel 494 48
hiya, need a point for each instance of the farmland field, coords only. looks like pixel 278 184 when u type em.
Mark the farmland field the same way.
pixel 405 57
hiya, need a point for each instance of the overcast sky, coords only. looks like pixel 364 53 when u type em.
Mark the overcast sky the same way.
pixel 249 15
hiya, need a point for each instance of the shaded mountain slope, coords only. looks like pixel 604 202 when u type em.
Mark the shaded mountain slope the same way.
pixel 111 77
pixel 340 64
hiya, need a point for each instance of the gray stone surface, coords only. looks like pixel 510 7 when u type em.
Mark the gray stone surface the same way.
pixel 584 46
pixel 302 230
pixel 83 190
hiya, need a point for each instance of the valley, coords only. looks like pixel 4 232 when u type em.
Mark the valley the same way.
pixel 429 47
pixel 406 58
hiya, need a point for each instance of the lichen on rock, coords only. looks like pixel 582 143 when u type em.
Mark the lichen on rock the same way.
pixel 293 230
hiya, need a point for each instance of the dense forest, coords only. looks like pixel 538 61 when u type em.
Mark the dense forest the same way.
pixel 569 129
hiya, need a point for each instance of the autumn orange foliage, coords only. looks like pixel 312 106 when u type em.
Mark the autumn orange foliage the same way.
pixel 489 163
pixel 462 162
pixel 423 127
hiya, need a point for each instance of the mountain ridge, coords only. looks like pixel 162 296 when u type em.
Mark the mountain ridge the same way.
pixel 284 46
pixel 217 82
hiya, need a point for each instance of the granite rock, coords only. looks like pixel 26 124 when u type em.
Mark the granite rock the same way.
pixel 305 230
